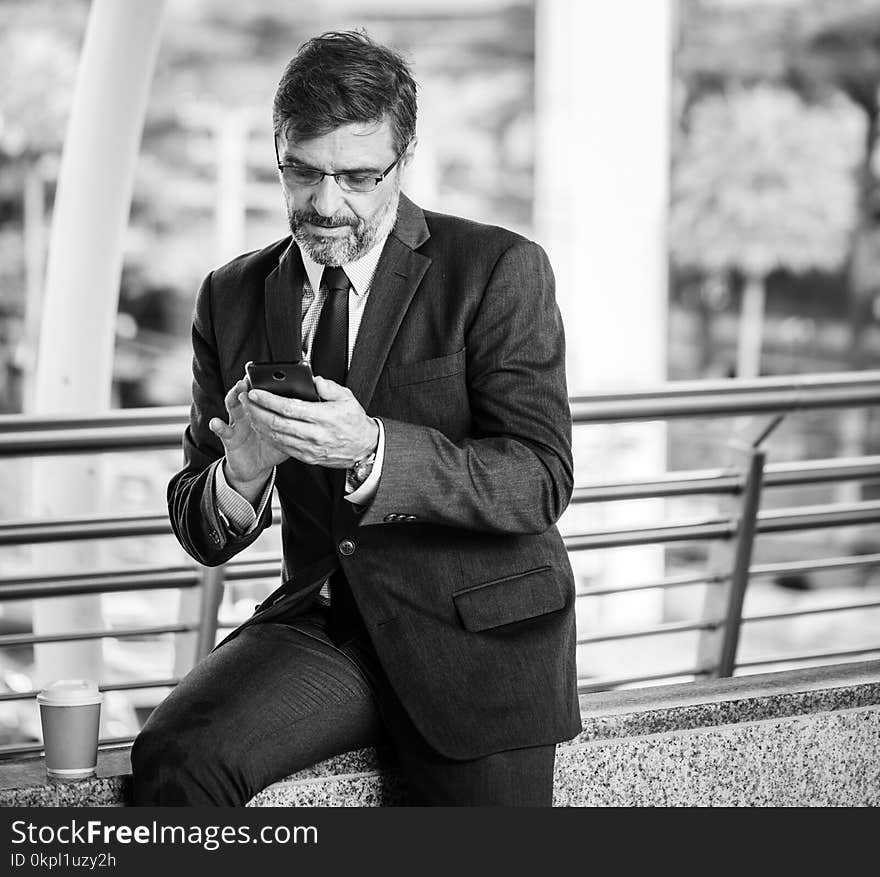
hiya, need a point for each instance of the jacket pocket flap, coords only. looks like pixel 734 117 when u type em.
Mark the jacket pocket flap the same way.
pixel 426 369
pixel 514 598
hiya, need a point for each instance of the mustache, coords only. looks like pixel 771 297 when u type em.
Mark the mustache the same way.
pixel 302 216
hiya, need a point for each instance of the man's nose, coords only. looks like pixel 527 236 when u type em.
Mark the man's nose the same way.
pixel 327 197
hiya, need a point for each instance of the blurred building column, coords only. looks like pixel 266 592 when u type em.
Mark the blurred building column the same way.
pixel 75 358
pixel 231 132
pixel 35 269
pixel 603 82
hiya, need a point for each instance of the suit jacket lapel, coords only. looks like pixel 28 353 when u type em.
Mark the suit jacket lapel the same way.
pixel 283 296
pixel 398 274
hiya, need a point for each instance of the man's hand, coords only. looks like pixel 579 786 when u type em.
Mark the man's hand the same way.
pixel 334 432
pixel 249 457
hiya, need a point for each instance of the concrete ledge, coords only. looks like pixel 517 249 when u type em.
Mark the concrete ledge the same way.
pixel 796 738
pixel 24 783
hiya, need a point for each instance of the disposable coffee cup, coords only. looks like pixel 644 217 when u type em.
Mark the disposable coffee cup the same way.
pixel 70 712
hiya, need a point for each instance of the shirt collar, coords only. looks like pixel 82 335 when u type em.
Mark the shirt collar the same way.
pixel 360 272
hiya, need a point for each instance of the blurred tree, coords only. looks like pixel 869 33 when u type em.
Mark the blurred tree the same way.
pixel 763 181
pixel 841 51
pixel 219 59
pixel 36 81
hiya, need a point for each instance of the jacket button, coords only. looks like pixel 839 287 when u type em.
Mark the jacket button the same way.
pixel 410 517
pixel 390 519
pixel 215 537
pixel 346 547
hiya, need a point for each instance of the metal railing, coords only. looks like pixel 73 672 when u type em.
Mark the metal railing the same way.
pixel 719 626
pixel 777 397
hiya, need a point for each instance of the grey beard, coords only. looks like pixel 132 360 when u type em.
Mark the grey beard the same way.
pixel 341 251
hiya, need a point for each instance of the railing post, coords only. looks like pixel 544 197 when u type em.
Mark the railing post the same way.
pixel 729 564
pixel 198 607
pixel 212 596
pixel 742 558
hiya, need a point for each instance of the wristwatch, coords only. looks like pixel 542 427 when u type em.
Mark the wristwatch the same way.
pixel 361 469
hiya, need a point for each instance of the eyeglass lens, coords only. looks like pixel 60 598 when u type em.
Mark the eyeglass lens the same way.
pixel 309 177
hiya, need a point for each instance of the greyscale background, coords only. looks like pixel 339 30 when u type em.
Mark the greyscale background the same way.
pixel 703 174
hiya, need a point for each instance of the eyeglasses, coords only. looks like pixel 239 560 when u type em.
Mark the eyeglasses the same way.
pixel 348 181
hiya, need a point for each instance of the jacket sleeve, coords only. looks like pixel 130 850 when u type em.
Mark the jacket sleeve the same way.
pixel 192 503
pixel 514 473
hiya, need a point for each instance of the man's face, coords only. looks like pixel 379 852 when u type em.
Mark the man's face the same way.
pixel 334 226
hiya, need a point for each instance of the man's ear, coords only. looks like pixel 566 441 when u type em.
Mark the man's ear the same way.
pixel 410 152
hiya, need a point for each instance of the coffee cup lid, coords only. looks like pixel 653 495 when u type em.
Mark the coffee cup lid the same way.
pixel 70 692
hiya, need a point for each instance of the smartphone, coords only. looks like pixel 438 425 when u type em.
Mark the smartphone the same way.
pixel 293 380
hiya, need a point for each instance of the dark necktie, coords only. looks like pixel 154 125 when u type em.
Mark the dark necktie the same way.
pixel 330 345
pixel 330 360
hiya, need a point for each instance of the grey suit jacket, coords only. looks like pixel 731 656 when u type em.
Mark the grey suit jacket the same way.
pixel 458 570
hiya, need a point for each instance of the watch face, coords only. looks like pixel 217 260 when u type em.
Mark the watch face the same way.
pixel 363 468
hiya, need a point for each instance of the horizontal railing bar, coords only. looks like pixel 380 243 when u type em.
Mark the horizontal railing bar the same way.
pixel 145 579
pixel 10 750
pixel 34 443
pixel 819 471
pixel 708 579
pixel 672 627
pixel 585 687
pixel 177 415
pixel 94 527
pixel 731 388
pixel 812 517
pixel 163 427
pixel 778 520
pixel 725 481
pixel 27 639
pixel 794 385
pixel 669 407
pixel 658 488
pixel 64 584
pixel 818 610
pixel 713 529
pixel 733 398
pixel 141 684
pixel 83 527
pixel 113 686
pixel 88 527
pixel 809 656
pixel 818 565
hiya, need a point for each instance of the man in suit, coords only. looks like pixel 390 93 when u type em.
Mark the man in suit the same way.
pixel 427 599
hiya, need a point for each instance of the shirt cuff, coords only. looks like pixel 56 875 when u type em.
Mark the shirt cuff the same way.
pixel 365 493
pixel 237 513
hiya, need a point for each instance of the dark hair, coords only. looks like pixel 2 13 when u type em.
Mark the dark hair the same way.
pixel 340 78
